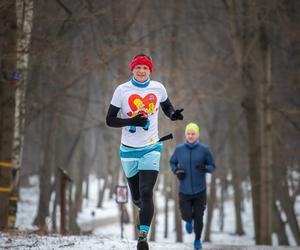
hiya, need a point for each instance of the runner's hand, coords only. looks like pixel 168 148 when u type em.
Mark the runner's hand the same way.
pixel 176 115
pixel 138 121
pixel 180 173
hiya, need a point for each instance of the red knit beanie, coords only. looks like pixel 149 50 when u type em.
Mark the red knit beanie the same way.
pixel 142 59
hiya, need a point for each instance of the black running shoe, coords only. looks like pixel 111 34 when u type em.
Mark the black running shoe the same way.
pixel 142 244
pixel 142 241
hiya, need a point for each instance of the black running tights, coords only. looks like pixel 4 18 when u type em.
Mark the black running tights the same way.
pixel 192 208
pixel 141 187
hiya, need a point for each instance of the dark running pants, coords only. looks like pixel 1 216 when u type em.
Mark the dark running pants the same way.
pixel 141 187
pixel 192 208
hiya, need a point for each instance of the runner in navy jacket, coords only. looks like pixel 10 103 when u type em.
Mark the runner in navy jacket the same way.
pixel 187 157
pixel 190 162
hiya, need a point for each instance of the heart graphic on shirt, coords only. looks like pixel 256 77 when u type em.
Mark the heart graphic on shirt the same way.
pixel 140 105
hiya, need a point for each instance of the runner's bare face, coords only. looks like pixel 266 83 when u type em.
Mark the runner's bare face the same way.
pixel 141 72
pixel 191 136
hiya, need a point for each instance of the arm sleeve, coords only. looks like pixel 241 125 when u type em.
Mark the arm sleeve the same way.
pixel 210 164
pixel 174 161
pixel 113 121
pixel 167 107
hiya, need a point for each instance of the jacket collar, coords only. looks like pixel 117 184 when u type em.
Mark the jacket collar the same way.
pixel 192 145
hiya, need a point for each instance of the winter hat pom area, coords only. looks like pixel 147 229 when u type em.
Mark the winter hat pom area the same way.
pixel 141 60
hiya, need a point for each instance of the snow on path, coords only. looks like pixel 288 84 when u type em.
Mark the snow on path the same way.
pixel 33 241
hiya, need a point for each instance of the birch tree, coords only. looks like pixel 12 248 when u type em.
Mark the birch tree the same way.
pixel 21 12
pixel 24 14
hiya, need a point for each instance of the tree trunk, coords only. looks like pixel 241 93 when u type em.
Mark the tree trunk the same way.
pixel 76 204
pixel 45 175
pixel 236 182
pixel 266 202
pixel 166 210
pixel 240 40
pixel 56 189
pixel 6 138
pixel 175 194
pixel 254 163
pixel 114 182
pixel 101 192
pixel 24 13
pixel 53 217
pixel 77 174
pixel 24 25
pixel 7 91
pixel 87 187
pixel 288 208
pixel 166 231
pixel 69 194
pixel 239 230
pixel 253 58
pixel 113 164
pixel 210 208
pixel 221 204
pixel 178 226
pixel 279 227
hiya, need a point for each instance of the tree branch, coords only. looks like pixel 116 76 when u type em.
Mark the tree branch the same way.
pixel 61 4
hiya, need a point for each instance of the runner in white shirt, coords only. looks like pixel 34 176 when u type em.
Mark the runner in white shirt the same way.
pixel 138 101
pixel 134 100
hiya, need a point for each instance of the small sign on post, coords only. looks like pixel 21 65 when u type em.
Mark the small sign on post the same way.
pixel 122 198
pixel 121 194
pixel 15 78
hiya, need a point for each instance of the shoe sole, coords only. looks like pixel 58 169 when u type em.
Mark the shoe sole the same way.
pixel 142 245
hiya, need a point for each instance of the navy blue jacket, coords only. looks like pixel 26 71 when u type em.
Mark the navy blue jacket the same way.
pixel 187 156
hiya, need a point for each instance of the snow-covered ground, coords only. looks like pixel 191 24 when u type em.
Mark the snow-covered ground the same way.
pixel 226 237
pixel 105 225
pixel 99 242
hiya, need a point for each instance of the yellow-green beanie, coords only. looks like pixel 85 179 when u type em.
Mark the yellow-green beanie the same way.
pixel 194 127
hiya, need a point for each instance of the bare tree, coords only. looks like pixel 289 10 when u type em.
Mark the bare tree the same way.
pixel 254 60
pixel 236 179
pixel 8 60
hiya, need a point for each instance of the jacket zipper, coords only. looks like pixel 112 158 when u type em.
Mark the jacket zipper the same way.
pixel 191 170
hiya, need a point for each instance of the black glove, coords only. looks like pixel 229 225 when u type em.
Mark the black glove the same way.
pixel 201 167
pixel 176 115
pixel 180 173
pixel 138 121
